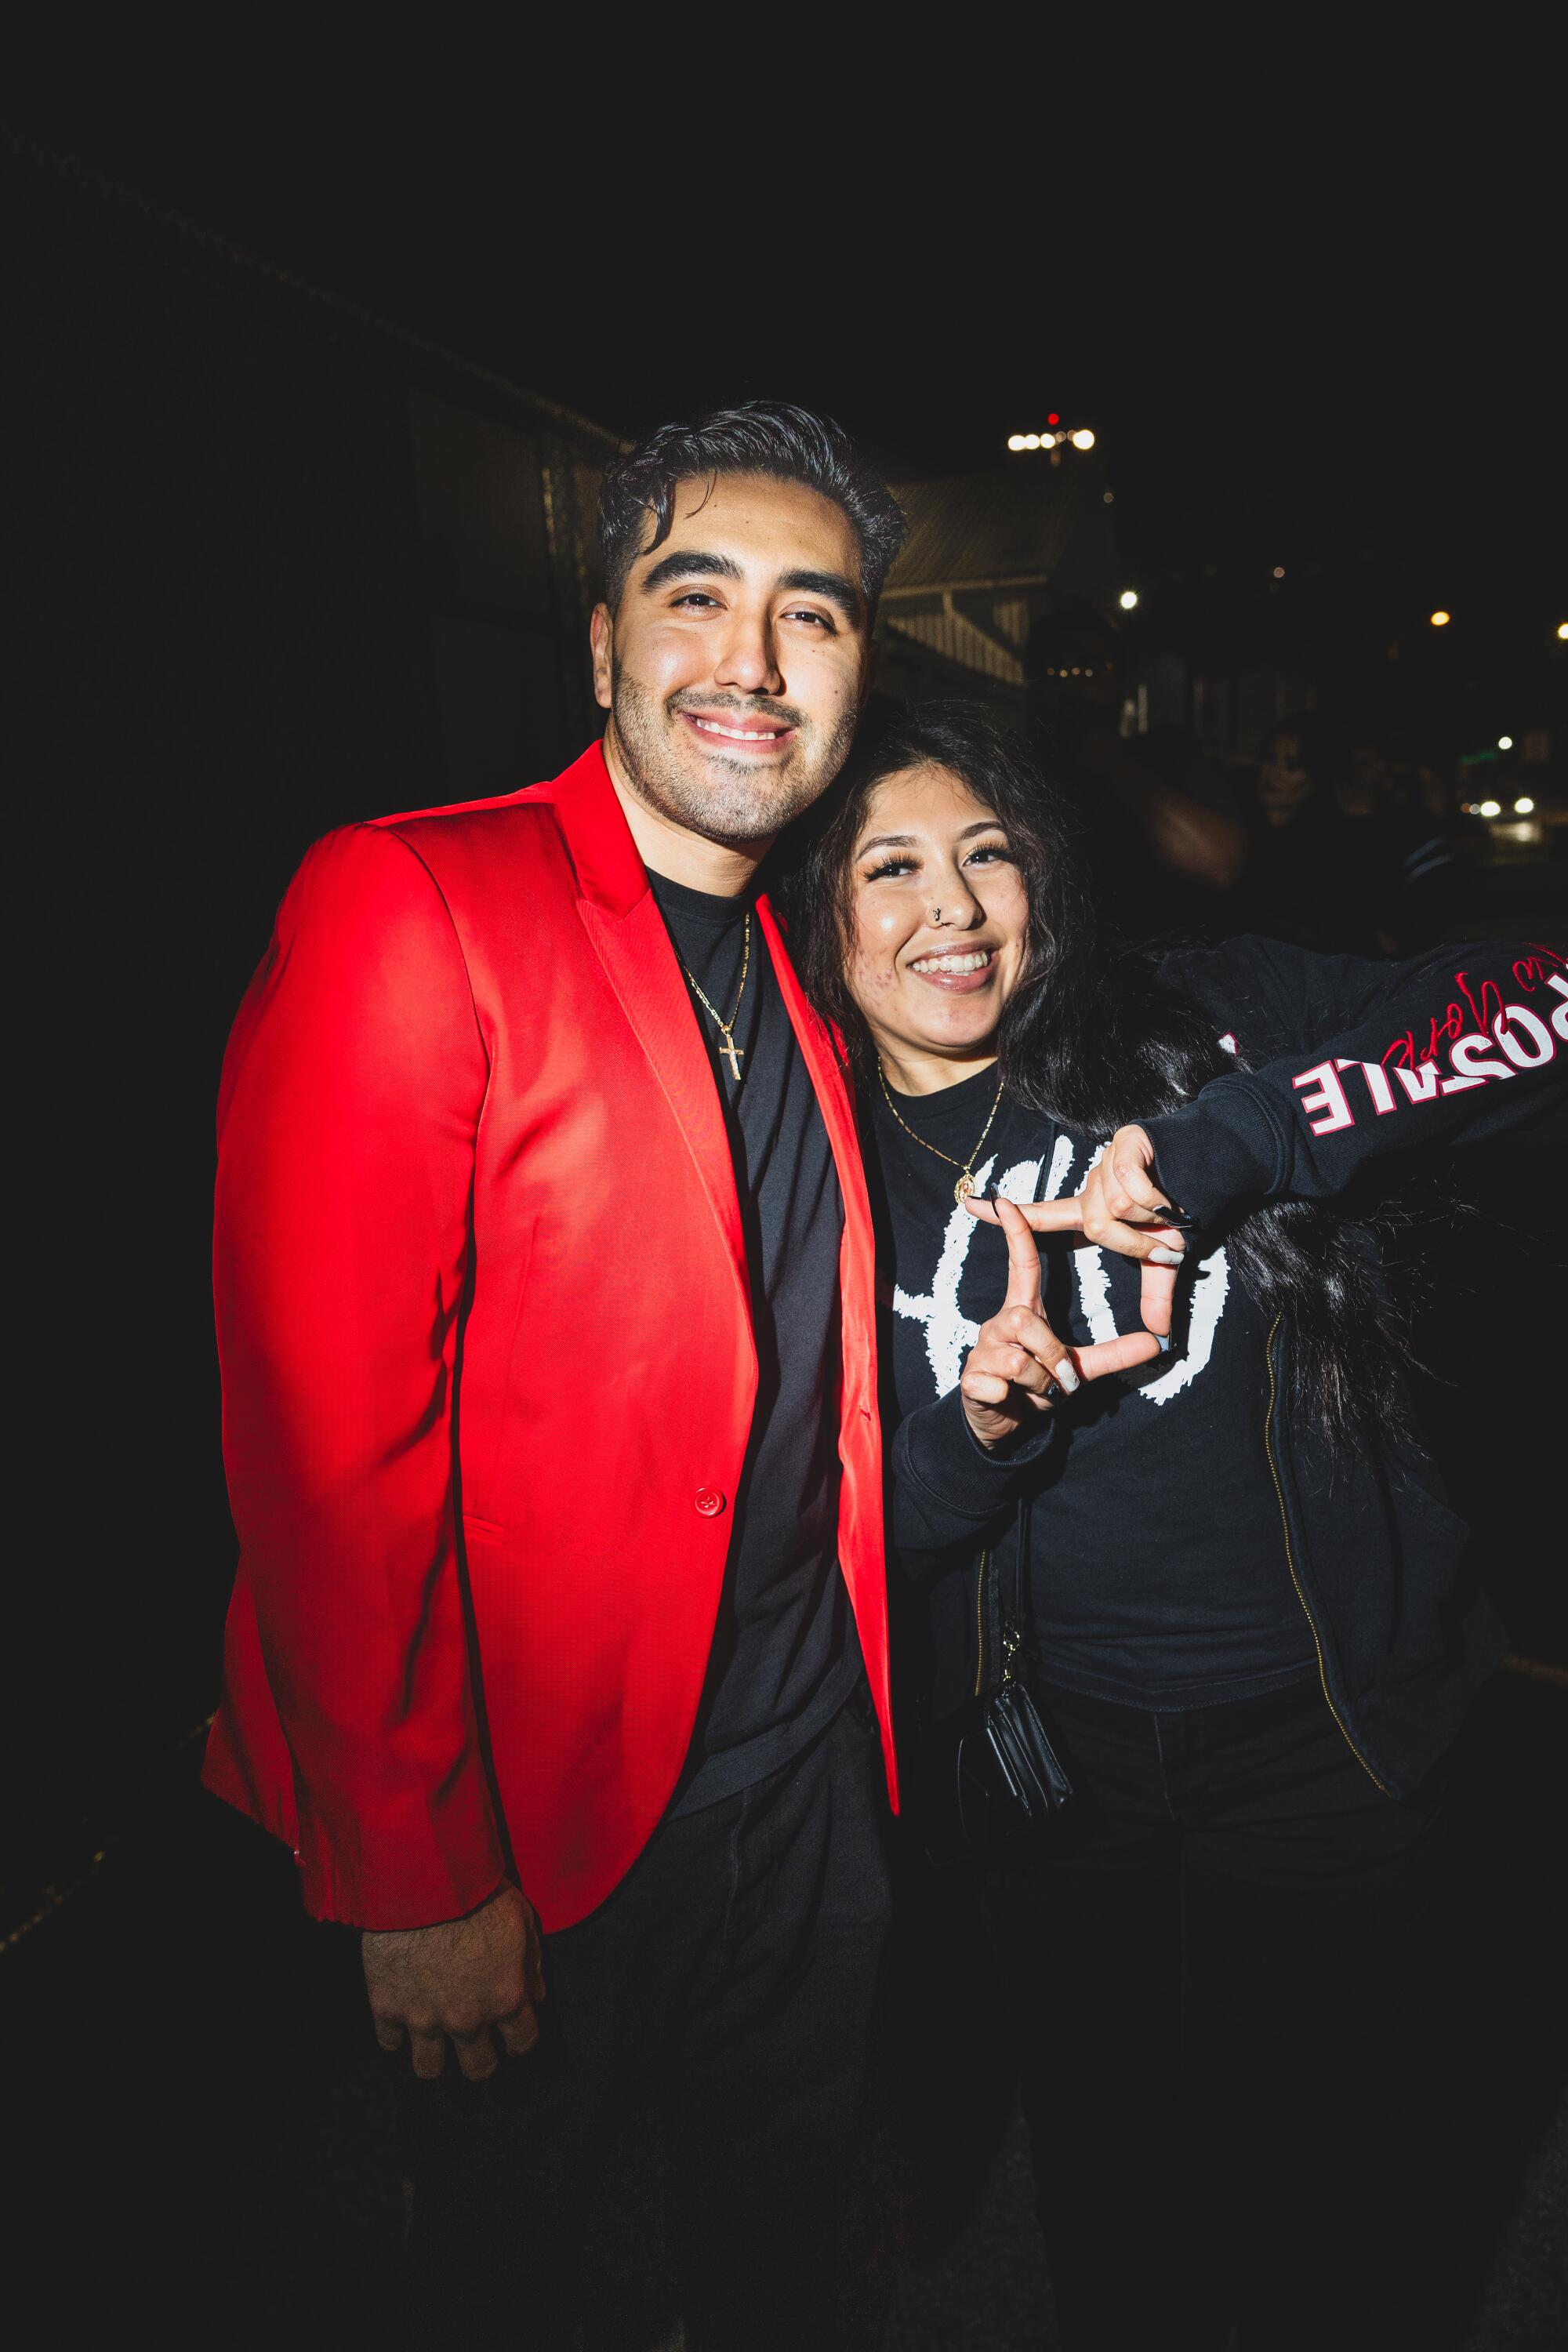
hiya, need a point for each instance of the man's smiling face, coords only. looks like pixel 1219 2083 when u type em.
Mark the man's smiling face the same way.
pixel 735 664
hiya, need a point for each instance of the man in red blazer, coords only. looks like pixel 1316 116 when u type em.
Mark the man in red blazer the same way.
pixel 558 1649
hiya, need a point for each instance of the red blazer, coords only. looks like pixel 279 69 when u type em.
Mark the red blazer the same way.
pixel 484 1323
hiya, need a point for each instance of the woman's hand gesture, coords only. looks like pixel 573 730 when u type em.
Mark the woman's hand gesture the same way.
pixel 1017 1364
pixel 1120 1208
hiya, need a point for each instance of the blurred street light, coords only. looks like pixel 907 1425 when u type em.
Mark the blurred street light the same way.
pixel 1053 441
pixel 1441 620
pixel 1524 805
pixel 1505 742
pixel 1489 808
pixel 1128 598
pixel 1563 628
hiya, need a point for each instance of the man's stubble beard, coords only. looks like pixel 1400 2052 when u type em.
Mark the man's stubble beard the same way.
pixel 732 805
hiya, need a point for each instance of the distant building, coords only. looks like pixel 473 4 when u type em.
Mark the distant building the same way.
pixel 986 553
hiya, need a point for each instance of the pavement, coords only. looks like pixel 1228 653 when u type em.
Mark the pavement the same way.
pixel 198 2121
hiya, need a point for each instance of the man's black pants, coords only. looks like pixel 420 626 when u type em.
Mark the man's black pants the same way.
pixel 1205 1965
pixel 732 1975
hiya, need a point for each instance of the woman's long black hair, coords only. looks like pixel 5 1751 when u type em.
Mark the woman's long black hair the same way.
pixel 1090 1037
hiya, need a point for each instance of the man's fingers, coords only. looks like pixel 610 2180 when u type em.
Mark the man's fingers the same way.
pixel 1117 1354
pixel 476 2054
pixel 519 2032
pixel 1022 1258
pixel 429 2055
pixel 388 2033
pixel 984 1388
pixel 1040 1216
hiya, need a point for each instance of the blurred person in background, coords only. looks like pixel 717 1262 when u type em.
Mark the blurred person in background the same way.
pixel 1344 856
pixel 1165 830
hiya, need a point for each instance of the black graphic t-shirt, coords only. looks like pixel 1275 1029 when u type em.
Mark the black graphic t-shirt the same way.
pixel 784 1656
pixel 1158 1572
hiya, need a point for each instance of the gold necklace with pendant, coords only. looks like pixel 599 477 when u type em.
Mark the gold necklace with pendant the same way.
pixel 966 1184
pixel 732 1052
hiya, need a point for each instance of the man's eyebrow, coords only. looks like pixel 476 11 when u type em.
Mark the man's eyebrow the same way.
pixel 832 584
pixel 688 563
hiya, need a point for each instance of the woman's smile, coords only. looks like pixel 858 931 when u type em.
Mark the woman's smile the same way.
pixel 958 972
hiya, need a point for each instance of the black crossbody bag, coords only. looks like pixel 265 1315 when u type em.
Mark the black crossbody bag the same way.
pixel 989 1775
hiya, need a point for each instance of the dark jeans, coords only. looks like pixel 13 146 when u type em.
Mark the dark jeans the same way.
pixel 732 1975
pixel 1204 1964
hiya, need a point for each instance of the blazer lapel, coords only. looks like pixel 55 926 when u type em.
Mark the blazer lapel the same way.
pixel 623 922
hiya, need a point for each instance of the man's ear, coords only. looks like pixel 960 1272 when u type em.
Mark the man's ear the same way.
pixel 602 645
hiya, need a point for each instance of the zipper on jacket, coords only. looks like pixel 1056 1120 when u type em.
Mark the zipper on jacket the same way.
pixel 979 1624
pixel 1290 1562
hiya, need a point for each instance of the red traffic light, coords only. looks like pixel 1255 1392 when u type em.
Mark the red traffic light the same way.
pixel 1053 418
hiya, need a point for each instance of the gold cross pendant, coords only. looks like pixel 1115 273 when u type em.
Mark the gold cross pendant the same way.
pixel 732 1054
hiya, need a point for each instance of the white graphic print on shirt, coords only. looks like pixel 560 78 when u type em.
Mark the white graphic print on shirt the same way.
pixel 950 1335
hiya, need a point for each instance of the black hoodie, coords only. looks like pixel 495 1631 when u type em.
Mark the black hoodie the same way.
pixel 1346 1061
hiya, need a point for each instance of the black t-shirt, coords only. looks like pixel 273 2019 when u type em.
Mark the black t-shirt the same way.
pixel 1158 1568
pixel 785 1653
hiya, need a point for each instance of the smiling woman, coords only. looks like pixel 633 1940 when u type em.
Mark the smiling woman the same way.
pixel 1222 1569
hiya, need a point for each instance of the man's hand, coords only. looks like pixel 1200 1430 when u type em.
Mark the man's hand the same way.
pixel 1119 1208
pixel 1017 1363
pixel 458 1981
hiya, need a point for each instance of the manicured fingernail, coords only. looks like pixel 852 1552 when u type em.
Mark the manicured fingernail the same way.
pixel 1065 1375
pixel 1162 1341
pixel 1162 1257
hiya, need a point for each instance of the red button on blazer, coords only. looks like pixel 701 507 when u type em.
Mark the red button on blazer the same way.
pixel 464 1099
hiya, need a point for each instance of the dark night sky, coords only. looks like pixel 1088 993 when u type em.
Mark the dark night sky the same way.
pixel 1296 274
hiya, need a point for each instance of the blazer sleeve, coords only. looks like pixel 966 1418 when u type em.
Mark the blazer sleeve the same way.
pixel 1368 1059
pixel 350 1099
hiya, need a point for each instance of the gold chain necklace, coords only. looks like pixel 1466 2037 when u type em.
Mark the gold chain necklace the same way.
pixel 727 1028
pixel 966 1184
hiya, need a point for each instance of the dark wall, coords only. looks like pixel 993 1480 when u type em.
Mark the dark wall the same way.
pixel 263 585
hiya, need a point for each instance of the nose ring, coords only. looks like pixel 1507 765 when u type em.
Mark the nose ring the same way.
pixel 936 914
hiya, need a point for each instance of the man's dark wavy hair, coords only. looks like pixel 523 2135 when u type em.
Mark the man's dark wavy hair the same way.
pixel 791 445
pixel 1093 1038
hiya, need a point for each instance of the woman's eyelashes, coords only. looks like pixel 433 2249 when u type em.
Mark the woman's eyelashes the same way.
pixel 986 853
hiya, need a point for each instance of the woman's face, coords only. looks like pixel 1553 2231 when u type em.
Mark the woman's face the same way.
pixel 939 919
pixel 1283 783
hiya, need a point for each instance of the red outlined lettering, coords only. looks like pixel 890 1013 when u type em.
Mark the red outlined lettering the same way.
pixel 1329 1099
pixel 1421 1083
pixel 1474 1062
pixel 1519 1016
pixel 1377 1084
pixel 1476 1013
